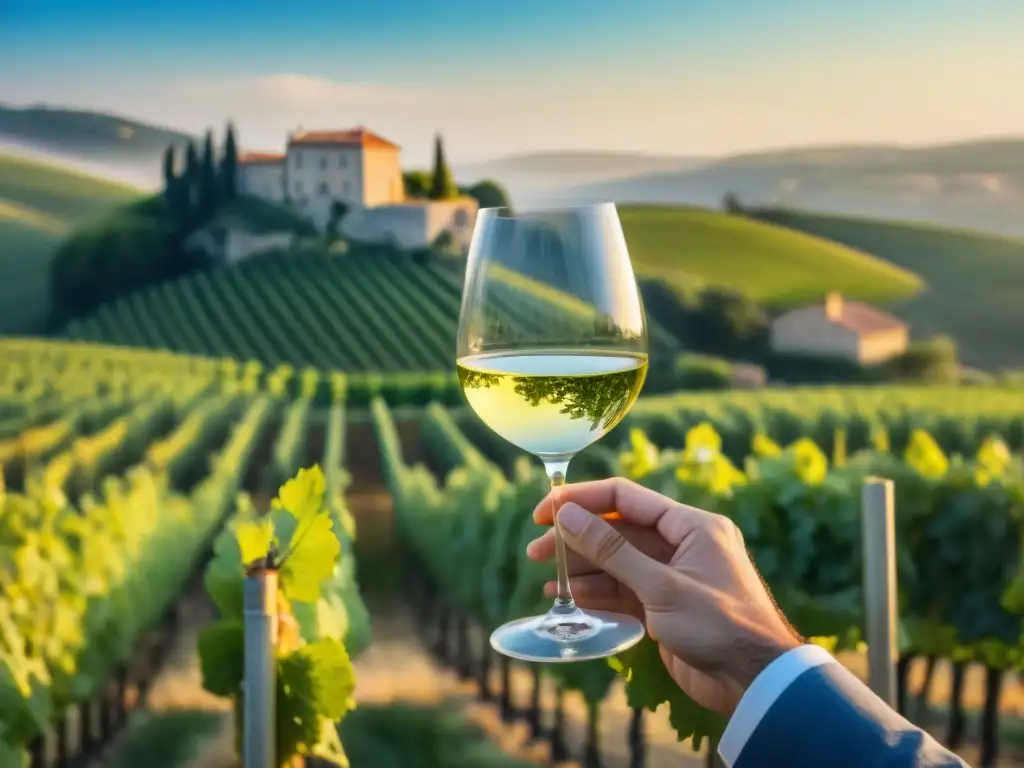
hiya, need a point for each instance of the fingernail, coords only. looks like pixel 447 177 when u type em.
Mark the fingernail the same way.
pixel 572 517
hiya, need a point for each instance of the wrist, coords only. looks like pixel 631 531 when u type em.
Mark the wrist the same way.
pixel 759 654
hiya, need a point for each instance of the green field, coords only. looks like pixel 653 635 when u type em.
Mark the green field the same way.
pixel 368 310
pixel 39 204
pixel 974 280
pixel 776 266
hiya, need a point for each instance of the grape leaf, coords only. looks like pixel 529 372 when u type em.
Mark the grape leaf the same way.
pixel 223 581
pixel 254 537
pixel 11 756
pixel 224 577
pixel 332 678
pixel 312 549
pixel 329 747
pixel 221 653
pixel 298 725
pixel 303 495
pixel 648 685
pixel 591 678
pixel 316 682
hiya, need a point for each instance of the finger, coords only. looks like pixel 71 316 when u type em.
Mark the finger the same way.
pixel 542 549
pixel 634 503
pixel 604 545
pixel 647 540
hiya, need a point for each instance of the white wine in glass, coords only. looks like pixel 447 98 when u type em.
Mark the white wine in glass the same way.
pixel 552 353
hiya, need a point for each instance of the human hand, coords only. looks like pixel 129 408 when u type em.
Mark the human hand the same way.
pixel 684 572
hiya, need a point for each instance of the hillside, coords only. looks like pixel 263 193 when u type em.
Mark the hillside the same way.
pixel 974 280
pixel 975 185
pixel 39 204
pixel 368 310
pixel 110 139
pixel 774 265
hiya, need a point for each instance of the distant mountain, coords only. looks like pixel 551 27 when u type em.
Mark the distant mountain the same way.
pixel 977 184
pixel 123 147
pixel 537 176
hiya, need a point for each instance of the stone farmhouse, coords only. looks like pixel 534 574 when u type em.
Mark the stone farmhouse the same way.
pixel 362 170
pixel 841 328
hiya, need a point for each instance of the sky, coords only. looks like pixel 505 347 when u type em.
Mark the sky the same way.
pixel 674 77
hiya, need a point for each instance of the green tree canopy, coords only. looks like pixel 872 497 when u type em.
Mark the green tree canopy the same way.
pixel 442 186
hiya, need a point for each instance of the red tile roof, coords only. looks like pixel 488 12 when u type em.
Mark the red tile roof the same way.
pixel 250 158
pixel 863 318
pixel 357 137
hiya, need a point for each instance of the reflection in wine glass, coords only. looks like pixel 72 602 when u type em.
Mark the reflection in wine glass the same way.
pixel 552 353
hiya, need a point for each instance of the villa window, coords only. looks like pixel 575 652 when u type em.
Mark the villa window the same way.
pixel 298 187
pixel 344 188
pixel 298 160
pixel 461 218
pixel 342 162
pixel 323 188
pixel 323 163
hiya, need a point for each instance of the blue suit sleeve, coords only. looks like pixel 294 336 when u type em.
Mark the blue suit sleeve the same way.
pixel 828 717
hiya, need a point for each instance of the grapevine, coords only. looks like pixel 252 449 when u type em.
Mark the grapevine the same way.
pixel 300 539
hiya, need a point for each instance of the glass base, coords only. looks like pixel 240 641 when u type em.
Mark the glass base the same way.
pixel 567 635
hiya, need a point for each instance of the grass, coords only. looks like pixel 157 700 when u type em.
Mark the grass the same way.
pixel 39 204
pixel 774 265
pixel 973 280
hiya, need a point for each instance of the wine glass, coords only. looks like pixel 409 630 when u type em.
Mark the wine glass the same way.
pixel 552 353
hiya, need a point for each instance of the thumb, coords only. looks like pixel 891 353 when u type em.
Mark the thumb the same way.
pixel 600 543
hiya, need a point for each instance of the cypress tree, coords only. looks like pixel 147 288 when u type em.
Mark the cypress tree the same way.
pixel 190 187
pixel 229 165
pixel 170 183
pixel 442 186
pixel 208 197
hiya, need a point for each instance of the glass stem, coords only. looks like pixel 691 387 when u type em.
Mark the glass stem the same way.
pixel 563 601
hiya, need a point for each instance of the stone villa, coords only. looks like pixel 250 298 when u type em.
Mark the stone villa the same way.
pixel 362 170
pixel 841 328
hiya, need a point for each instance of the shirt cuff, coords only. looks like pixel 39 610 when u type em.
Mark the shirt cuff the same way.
pixel 763 693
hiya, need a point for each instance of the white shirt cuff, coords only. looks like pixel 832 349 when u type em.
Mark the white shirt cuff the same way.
pixel 763 693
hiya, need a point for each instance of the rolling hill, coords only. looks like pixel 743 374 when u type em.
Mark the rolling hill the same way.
pixel 777 266
pixel 117 142
pixel 367 310
pixel 39 204
pixel 974 280
pixel 974 184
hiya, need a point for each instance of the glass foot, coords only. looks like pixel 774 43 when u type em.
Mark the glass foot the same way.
pixel 572 636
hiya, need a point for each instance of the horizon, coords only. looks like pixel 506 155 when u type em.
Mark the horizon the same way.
pixel 993 138
pixel 655 76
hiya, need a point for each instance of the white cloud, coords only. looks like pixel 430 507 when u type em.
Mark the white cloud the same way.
pixel 296 91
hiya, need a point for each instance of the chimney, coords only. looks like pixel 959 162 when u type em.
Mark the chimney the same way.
pixel 833 305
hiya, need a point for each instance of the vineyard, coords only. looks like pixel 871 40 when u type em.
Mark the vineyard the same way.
pixel 369 311
pixel 464 511
pixel 130 473
pixel 123 476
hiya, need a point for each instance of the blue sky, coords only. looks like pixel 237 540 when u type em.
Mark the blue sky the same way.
pixel 688 77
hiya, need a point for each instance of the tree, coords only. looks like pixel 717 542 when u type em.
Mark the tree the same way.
pixel 443 185
pixel 172 186
pixel 417 184
pixel 208 197
pixel 489 194
pixel 190 180
pixel 731 203
pixel 229 165
pixel 339 210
